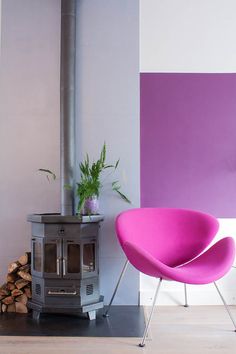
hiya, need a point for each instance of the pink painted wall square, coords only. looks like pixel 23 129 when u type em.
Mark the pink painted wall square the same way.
pixel 188 142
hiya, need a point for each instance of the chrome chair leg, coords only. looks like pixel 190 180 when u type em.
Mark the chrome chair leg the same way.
pixel 226 306
pixel 117 285
pixel 142 344
pixel 185 296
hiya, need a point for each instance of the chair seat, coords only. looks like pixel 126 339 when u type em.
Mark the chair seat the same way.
pixel 206 268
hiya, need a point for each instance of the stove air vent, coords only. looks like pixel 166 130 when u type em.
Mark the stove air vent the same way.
pixel 89 289
pixel 38 289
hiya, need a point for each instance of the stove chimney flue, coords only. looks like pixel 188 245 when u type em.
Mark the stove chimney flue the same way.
pixel 67 104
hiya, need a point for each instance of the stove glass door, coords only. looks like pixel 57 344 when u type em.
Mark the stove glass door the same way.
pixel 37 256
pixel 89 257
pixel 71 262
pixel 52 257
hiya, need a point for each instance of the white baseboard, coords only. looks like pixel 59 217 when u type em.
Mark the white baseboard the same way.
pixel 176 297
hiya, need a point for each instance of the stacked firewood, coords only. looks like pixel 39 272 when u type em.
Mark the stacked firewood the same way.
pixel 14 294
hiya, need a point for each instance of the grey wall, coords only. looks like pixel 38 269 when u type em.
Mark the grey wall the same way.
pixel 108 110
pixel 29 119
pixel 0 23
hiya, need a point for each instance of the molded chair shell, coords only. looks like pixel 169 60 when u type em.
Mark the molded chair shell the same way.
pixel 172 244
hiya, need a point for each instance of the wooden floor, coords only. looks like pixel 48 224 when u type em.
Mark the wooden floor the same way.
pixel 174 330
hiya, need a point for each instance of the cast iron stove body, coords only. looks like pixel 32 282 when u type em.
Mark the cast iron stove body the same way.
pixel 65 264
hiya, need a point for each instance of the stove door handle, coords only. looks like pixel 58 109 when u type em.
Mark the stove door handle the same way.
pixel 58 266
pixel 64 266
pixel 62 292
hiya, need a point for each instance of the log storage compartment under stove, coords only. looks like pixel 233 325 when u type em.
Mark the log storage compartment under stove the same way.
pixel 64 259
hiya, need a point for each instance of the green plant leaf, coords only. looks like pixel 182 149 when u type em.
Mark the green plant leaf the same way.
pixel 103 155
pixel 115 185
pixel 49 172
pixel 67 186
pixel 123 196
pixel 108 166
pixel 117 163
pixel 90 178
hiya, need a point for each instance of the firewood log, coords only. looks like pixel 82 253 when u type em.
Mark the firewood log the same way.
pixel 13 267
pixel 25 275
pixel 25 259
pixel 11 278
pixel 22 298
pixel 11 308
pixel 11 286
pixel 27 291
pixel 25 268
pixel 20 307
pixel 8 300
pixel 4 307
pixel 16 292
pixel 4 291
pixel 21 283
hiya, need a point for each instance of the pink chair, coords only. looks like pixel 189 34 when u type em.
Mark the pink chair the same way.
pixel 170 244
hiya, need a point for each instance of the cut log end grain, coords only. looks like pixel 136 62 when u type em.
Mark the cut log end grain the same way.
pixel 20 307
pixel 16 292
pixel 8 300
pixel 11 286
pixel 27 291
pixel 25 259
pixel 11 308
pixel 21 283
pixel 25 275
pixel 11 278
pixel 25 268
pixel 13 267
pixel 22 298
pixel 4 291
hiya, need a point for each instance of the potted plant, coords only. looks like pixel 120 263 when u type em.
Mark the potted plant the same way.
pixel 89 187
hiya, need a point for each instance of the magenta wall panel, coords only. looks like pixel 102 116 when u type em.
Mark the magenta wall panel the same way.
pixel 188 142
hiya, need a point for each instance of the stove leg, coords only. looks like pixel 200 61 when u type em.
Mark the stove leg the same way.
pixel 36 315
pixel 92 315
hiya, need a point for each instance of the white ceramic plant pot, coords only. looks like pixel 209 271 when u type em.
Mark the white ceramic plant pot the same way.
pixel 91 206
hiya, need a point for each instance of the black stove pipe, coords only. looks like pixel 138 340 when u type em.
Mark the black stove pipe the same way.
pixel 67 104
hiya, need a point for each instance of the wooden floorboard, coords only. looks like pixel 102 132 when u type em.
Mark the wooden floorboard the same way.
pixel 174 330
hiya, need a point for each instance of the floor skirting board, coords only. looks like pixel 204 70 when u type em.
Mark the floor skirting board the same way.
pixel 197 296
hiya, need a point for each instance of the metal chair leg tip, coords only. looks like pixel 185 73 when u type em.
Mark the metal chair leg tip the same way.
pixel 235 330
pixel 141 345
pixel 105 315
pixel 186 305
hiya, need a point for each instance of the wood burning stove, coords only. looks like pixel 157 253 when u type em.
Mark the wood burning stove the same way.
pixel 65 247
pixel 64 260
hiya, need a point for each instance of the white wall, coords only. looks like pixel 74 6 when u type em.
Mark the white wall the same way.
pixel 189 36
pixel 108 110
pixel 29 119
